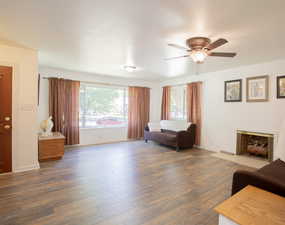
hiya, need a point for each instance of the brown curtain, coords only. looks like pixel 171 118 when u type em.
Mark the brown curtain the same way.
pixel 194 107
pixel 165 104
pixel 64 108
pixel 138 116
pixel 56 103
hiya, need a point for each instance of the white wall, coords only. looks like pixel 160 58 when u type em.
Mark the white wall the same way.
pixel 97 135
pixel 220 120
pixel 24 108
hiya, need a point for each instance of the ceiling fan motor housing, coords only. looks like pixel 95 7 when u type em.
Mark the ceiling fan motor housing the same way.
pixel 198 43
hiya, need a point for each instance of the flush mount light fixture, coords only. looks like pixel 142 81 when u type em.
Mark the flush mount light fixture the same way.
pixel 129 69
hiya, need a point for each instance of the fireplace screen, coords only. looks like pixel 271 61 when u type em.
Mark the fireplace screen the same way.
pixel 255 144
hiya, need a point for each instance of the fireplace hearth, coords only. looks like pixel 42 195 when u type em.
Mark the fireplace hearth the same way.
pixel 255 144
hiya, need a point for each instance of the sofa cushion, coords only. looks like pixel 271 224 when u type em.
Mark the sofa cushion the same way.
pixel 163 137
pixel 275 170
pixel 175 125
pixel 170 137
pixel 154 126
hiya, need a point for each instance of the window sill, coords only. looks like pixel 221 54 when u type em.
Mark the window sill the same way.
pixel 98 128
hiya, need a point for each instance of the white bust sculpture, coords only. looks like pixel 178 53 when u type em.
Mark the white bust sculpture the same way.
pixel 46 127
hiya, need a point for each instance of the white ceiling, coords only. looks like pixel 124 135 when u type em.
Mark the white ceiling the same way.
pixel 100 36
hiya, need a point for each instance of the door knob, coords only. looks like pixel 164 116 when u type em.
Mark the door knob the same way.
pixel 7 127
pixel 7 118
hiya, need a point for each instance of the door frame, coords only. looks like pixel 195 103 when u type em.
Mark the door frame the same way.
pixel 15 99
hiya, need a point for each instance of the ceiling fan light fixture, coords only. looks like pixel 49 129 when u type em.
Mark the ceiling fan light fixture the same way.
pixel 198 56
pixel 201 47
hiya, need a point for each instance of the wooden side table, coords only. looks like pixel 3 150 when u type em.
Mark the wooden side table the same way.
pixel 51 147
pixel 252 206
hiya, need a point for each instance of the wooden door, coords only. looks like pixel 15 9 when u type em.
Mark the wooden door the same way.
pixel 5 119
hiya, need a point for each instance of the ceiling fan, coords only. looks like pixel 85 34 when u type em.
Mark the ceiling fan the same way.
pixel 201 47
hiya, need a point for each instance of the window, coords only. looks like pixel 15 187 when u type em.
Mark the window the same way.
pixel 178 102
pixel 103 106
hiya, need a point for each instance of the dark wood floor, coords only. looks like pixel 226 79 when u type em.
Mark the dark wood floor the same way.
pixel 129 183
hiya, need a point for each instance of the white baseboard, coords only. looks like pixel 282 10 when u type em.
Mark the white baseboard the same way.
pixel 226 152
pixel 99 143
pixel 27 168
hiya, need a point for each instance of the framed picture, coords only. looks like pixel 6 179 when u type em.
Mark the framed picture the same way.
pixel 39 84
pixel 257 89
pixel 281 87
pixel 233 91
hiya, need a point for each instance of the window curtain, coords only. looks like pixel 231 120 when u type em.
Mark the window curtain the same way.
pixel 138 115
pixel 165 104
pixel 194 108
pixel 64 108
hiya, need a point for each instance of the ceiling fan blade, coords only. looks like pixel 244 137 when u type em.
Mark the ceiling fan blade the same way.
pixel 177 57
pixel 223 54
pixel 178 46
pixel 217 43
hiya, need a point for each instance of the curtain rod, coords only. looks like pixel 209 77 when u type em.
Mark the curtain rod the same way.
pixel 100 83
pixel 176 85
pixel 182 84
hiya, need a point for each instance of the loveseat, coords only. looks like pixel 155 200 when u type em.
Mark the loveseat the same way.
pixel 178 134
pixel 270 177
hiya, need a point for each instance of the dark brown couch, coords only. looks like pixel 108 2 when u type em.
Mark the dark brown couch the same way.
pixel 177 139
pixel 270 178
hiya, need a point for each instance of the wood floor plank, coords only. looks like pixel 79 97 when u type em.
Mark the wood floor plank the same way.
pixel 129 183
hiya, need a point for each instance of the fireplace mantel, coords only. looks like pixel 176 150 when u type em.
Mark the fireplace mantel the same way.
pixel 261 134
pixel 275 133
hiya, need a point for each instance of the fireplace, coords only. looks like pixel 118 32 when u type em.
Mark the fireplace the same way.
pixel 255 144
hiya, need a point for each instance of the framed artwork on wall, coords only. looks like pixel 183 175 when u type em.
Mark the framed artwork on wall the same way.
pixel 233 91
pixel 39 84
pixel 257 89
pixel 281 87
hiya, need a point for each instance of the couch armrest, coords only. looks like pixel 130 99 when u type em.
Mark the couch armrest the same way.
pixel 243 178
pixel 192 128
pixel 181 135
pixel 185 139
